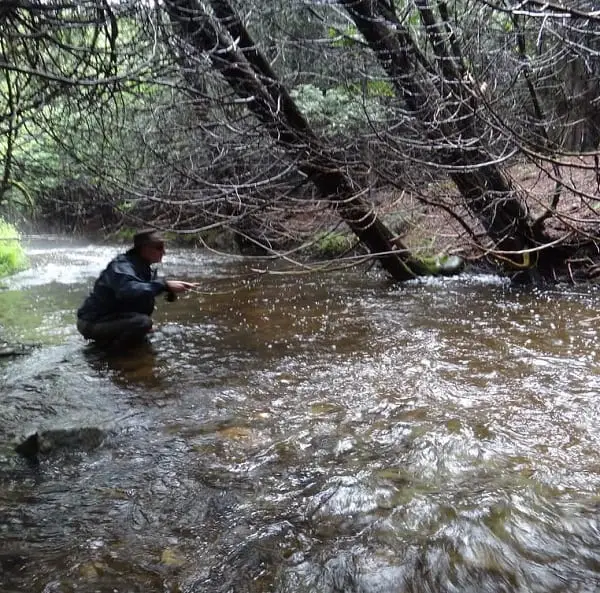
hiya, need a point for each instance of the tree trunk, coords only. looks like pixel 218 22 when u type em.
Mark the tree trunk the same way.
pixel 487 191
pixel 234 54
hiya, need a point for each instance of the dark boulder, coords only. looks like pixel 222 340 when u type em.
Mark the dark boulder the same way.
pixel 61 440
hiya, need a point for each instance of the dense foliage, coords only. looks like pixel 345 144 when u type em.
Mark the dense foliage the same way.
pixel 12 256
pixel 115 114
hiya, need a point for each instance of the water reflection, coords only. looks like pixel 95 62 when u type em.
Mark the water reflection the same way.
pixel 134 365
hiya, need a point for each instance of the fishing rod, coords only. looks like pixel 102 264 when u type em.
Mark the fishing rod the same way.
pixel 172 297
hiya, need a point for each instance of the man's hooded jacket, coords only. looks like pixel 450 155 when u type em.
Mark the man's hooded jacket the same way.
pixel 127 285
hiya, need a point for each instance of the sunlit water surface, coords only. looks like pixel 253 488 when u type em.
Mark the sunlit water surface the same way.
pixel 322 434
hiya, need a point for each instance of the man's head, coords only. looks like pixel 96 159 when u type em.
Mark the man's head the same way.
pixel 149 245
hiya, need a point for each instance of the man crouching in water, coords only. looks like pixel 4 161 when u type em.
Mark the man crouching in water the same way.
pixel 118 310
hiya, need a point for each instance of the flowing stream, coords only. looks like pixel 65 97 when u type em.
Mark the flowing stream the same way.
pixel 302 434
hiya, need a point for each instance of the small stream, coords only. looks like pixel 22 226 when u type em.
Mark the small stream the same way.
pixel 302 434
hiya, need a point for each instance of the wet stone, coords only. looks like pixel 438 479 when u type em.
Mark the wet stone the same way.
pixel 8 350
pixel 61 440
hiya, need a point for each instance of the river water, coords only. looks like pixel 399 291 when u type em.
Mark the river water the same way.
pixel 303 433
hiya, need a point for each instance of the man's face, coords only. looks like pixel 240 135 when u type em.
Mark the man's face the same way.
pixel 153 252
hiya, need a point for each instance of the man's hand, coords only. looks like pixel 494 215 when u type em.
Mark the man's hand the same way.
pixel 176 286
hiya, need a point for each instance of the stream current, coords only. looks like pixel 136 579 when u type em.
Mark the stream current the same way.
pixel 302 434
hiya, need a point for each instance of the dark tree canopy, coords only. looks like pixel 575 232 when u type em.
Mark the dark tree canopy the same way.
pixel 282 120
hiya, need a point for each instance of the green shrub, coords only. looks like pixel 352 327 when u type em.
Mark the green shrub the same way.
pixel 12 256
pixel 341 108
pixel 333 244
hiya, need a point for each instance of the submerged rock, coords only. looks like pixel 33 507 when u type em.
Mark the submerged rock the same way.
pixel 7 349
pixel 61 440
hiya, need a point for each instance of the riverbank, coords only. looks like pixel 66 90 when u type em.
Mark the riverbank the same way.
pixel 427 221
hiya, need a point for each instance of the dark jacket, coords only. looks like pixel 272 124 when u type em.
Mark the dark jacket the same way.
pixel 127 285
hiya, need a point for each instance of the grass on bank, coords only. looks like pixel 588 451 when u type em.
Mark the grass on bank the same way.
pixel 12 255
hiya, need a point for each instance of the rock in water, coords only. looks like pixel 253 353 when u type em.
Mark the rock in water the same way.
pixel 61 440
pixel 451 264
pixel 7 349
pixel 30 447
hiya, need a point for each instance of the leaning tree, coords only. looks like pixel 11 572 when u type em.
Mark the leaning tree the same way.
pixel 201 115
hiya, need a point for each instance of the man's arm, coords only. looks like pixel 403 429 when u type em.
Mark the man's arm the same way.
pixel 128 285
